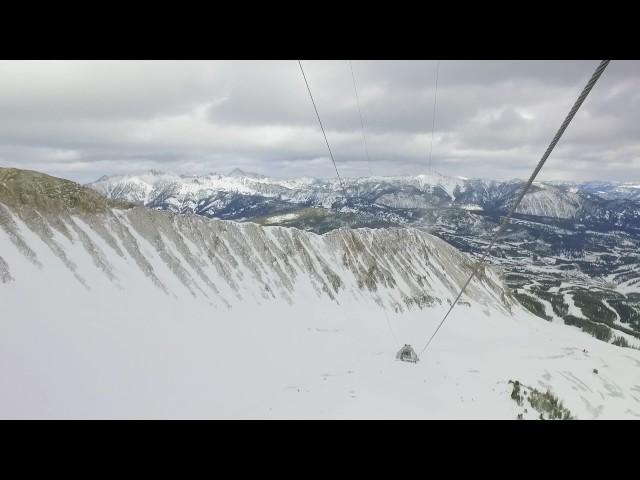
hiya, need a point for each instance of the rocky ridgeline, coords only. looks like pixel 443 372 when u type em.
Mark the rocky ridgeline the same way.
pixel 226 262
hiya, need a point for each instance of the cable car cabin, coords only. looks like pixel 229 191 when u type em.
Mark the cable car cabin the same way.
pixel 407 354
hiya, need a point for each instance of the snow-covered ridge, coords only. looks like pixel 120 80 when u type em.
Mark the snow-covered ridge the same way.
pixel 133 312
pixel 146 188
pixel 224 263
pixel 398 268
pixel 214 195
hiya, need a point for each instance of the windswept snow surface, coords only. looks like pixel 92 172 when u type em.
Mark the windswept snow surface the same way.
pixel 144 314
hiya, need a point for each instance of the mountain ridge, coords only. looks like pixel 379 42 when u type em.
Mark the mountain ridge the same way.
pixel 355 252
pixel 216 195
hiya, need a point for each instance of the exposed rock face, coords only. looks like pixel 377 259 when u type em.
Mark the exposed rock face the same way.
pixel 38 191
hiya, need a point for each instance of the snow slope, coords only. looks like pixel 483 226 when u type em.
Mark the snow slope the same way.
pixel 135 313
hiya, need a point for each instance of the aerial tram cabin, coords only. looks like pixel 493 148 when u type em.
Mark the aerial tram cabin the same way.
pixel 407 354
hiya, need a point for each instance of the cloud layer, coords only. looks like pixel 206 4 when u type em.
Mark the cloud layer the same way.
pixel 81 120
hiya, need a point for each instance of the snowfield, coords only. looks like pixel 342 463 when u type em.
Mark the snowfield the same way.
pixel 87 330
pixel 282 218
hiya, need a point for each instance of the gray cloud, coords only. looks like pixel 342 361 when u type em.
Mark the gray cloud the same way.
pixel 81 120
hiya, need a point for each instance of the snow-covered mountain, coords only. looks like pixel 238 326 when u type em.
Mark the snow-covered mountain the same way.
pixel 212 195
pixel 606 190
pixel 116 310
pixel 245 195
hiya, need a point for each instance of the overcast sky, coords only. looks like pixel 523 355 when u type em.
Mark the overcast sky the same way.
pixel 494 119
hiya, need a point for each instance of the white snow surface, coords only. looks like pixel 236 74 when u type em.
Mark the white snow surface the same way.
pixel 123 347
pixel 282 218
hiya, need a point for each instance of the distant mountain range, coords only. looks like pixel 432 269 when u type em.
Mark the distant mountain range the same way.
pixel 243 195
